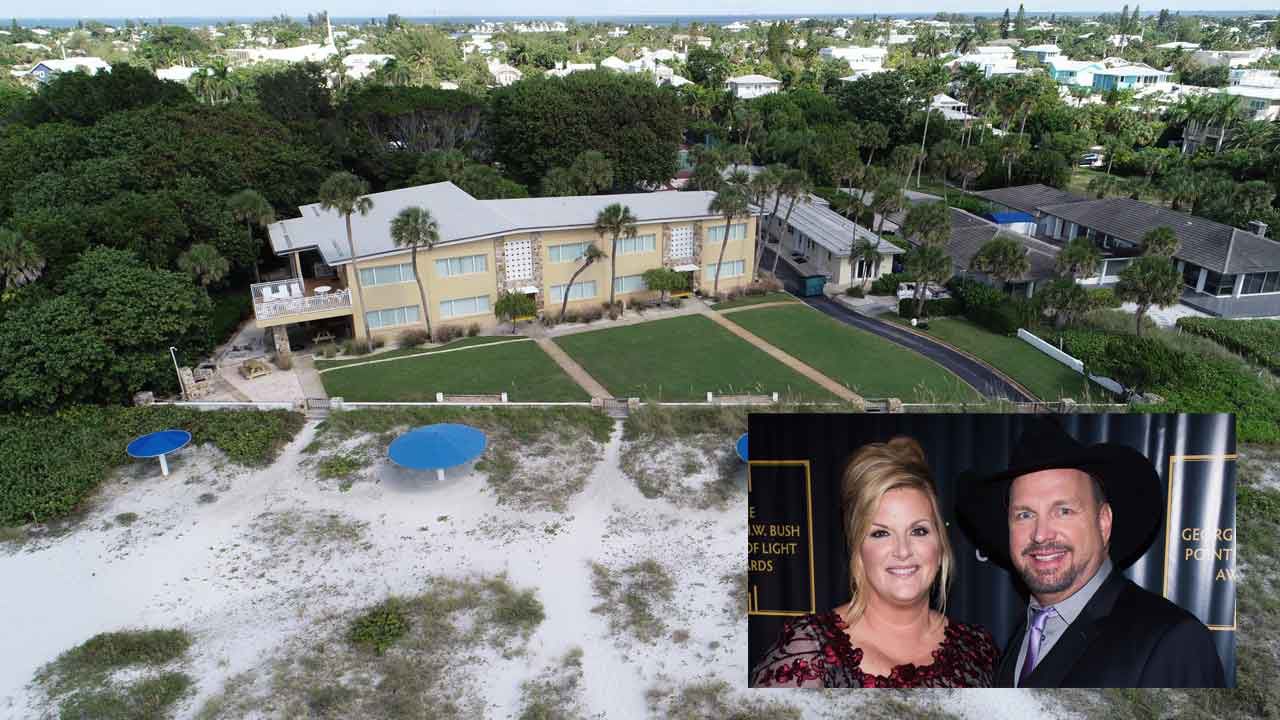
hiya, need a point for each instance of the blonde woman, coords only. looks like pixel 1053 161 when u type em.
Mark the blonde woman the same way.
pixel 889 634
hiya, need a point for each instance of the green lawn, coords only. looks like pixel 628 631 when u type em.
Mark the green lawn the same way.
pixel 520 369
pixel 461 342
pixel 873 367
pixel 754 300
pixel 680 359
pixel 1045 377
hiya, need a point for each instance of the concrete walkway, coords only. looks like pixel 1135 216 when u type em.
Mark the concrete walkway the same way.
pixel 757 306
pixel 573 369
pixel 304 366
pixel 790 361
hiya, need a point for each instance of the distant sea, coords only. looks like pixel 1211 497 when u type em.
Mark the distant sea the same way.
pixel 615 19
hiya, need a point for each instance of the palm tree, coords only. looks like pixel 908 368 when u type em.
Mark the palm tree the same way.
pixel 20 261
pixel 591 255
pixel 1003 257
pixel 251 208
pixel 346 194
pixel 1161 241
pixel 928 222
pixel 887 199
pixel 558 182
pixel 763 185
pixel 970 163
pixel 707 169
pixel 1104 185
pixel 796 186
pixel 874 137
pixel 1078 259
pixel 616 221
pixel 204 263
pixel 1012 147
pixel 414 227
pixel 869 253
pixel 926 264
pixel 730 202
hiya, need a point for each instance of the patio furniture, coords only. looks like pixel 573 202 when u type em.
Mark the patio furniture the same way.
pixel 741 447
pixel 322 337
pixel 322 289
pixel 255 367
pixel 295 290
pixel 436 447
pixel 158 444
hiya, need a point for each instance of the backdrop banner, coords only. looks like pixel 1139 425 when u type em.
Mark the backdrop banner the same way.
pixel 797 560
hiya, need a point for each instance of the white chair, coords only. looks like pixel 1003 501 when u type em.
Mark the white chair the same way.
pixel 295 290
pixel 268 294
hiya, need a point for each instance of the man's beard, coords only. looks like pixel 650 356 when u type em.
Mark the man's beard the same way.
pixel 1048 584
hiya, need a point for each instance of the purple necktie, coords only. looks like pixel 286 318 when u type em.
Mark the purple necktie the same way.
pixel 1038 619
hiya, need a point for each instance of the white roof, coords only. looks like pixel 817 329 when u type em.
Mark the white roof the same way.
pixel 1062 63
pixel 1179 46
pixel 177 73
pixel 753 80
pixel 1049 48
pixel 463 218
pixel 1252 91
pixel 614 63
pixel 31 46
pixel 92 64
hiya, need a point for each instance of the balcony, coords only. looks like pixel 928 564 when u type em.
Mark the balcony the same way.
pixel 295 300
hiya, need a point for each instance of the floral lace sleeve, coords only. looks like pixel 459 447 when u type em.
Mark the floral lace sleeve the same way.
pixel 802 657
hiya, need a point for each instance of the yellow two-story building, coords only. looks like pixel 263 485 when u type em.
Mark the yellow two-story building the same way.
pixel 488 247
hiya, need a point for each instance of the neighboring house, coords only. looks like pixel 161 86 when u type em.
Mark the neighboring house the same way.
pixel 362 65
pixel 745 87
pixel 32 46
pixel 1257 103
pixel 613 62
pixel 503 74
pixel 44 70
pixel 1165 95
pixel 736 27
pixel 1255 78
pixel 825 240
pixel 303 53
pixel 1041 53
pixel 1232 58
pixel 1121 41
pixel 1120 74
pixel 1226 271
pixel 991 59
pixel 1078 73
pixel 177 73
pixel 864 60
pixel 486 247
pixel 563 69
pixel 970 232
pixel 951 109
pixel 1178 46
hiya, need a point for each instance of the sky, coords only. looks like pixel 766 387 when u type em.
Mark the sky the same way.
pixel 580 8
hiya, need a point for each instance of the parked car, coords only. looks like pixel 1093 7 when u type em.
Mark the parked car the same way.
pixel 931 292
pixel 1091 160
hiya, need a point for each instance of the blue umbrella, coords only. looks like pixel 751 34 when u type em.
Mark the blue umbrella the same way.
pixel 158 444
pixel 436 447
pixel 742 447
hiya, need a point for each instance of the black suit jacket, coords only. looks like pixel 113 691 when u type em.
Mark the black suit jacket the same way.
pixel 1125 637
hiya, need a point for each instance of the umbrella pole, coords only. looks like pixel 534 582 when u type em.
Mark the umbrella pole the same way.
pixel 440 474
pixel 164 466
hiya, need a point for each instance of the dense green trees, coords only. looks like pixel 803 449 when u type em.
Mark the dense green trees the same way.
pixel 543 123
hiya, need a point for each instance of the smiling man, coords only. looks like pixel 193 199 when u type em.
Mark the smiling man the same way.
pixel 1068 518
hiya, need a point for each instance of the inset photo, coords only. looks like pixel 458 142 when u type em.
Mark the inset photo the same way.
pixel 989 550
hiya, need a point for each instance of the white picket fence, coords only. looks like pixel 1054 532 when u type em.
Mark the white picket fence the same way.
pixel 1070 361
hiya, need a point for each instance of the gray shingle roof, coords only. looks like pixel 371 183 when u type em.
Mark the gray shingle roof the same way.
pixel 463 218
pixel 1206 243
pixel 1028 198
pixel 970 232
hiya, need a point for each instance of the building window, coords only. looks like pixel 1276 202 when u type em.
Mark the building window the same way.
pixel 467 265
pixel 637 244
pixel 1219 284
pixel 1114 267
pixel 391 317
pixel 567 253
pixel 464 306
pixel 386 275
pixel 580 291
pixel 1255 283
pixel 732 268
pixel 1190 275
pixel 629 284
pixel 737 231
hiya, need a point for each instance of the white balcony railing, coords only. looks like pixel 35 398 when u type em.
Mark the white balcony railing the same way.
pixel 274 308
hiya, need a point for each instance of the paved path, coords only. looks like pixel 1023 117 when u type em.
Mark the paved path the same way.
pixel 982 377
pixel 757 306
pixel 304 366
pixel 790 361
pixel 574 370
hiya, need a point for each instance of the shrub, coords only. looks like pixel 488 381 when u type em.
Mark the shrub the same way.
pixel 676 302
pixel 448 333
pixel 41 480
pixel 1001 319
pixel 414 337
pixel 473 329
pixel 380 626
pixel 327 350
pixel 1257 340
pixel 377 342
pixel 855 291
pixel 940 307
pixel 1103 298
pixel 589 315
pixel 1139 363
pixel 973 294
pixel 352 346
pixel 887 284
pixel 978 207
pixel 513 305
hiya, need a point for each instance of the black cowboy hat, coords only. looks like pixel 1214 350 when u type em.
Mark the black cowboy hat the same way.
pixel 1129 481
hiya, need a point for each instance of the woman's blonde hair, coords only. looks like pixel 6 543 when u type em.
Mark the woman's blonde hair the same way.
pixel 872 471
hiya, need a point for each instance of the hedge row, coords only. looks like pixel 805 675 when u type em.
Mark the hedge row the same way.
pixel 1192 382
pixel 988 307
pixel 1257 340
pixel 940 307
pixel 50 463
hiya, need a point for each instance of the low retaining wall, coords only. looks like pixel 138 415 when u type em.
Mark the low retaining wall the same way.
pixel 1072 362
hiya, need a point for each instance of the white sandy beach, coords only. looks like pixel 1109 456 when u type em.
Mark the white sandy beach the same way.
pixel 254 569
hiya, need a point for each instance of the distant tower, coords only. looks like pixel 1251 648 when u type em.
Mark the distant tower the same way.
pixel 329 27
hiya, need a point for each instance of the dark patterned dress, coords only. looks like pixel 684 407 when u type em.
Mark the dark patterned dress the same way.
pixel 814 651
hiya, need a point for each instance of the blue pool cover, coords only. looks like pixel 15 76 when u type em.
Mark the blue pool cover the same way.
pixel 157 443
pixel 435 447
pixel 742 447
